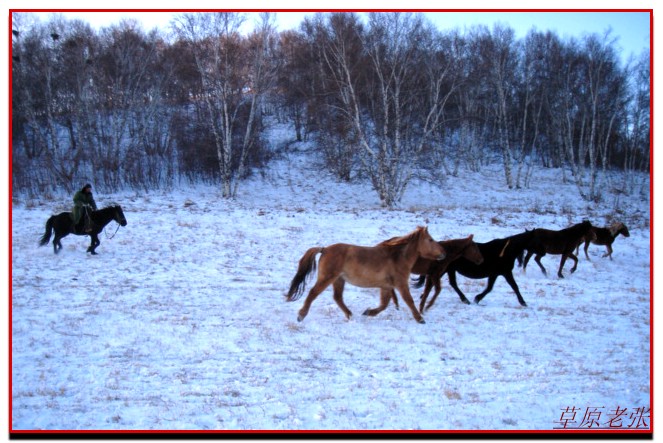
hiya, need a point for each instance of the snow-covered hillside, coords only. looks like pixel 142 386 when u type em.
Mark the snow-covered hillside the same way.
pixel 180 321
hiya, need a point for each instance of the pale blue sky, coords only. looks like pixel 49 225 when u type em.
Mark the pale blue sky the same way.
pixel 631 28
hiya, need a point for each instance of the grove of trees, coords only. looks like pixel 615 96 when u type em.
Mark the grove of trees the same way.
pixel 384 97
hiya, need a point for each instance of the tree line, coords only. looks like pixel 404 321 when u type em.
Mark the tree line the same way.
pixel 385 98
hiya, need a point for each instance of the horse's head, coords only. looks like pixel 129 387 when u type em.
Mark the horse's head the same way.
pixel 427 247
pixel 118 215
pixel 620 228
pixel 471 251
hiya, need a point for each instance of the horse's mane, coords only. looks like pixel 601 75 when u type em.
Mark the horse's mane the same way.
pixel 113 205
pixel 615 228
pixel 399 241
pixel 457 244
pixel 585 224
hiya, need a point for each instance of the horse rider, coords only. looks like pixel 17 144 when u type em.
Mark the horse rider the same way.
pixel 83 203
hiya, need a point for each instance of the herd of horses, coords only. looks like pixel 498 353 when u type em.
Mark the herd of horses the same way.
pixel 389 264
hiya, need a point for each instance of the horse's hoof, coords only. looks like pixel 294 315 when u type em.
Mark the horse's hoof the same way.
pixel 369 312
pixel 523 304
pixel 467 302
pixel 422 321
pixel 300 318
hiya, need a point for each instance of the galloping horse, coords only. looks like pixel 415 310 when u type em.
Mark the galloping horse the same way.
pixel 562 242
pixel 499 257
pixel 61 225
pixel 605 236
pixel 386 266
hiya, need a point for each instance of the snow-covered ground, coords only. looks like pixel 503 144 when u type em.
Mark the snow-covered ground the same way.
pixel 180 321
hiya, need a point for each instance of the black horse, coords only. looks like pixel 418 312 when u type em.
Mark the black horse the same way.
pixel 499 257
pixel 62 225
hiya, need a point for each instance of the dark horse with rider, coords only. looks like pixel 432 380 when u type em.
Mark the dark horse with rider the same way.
pixel 85 219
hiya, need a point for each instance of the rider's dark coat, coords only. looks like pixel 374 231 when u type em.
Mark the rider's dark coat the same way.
pixel 82 198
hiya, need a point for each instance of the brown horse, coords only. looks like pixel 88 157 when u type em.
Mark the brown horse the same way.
pixel 460 248
pixel 386 266
pixel 434 270
pixel 562 242
pixel 605 236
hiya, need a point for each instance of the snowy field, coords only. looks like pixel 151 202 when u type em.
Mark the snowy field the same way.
pixel 180 322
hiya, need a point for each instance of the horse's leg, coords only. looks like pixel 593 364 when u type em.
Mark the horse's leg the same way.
pixel 527 257
pixel 438 287
pixel 586 248
pixel 385 296
pixel 395 299
pixel 454 284
pixel 94 242
pixel 609 252
pixel 424 295
pixel 537 259
pixel 512 282
pixel 407 298
pixel 56 243
pixel 319 286
pixel 575 264
pixel 491 283
pixel 59 234
pixel 563 260
pixel 339 284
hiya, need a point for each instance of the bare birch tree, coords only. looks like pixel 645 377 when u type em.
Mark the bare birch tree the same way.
pixel 234 80
pixel 500 57
pixel 396 114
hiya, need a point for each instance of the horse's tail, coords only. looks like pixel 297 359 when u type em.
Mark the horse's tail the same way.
pixel 419 281
pixel 47 235
pixel 307 265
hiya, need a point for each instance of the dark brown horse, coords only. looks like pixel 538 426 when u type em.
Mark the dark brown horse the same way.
pixel 464 248
pixel 605 236
pixel 386 266
pixel 433 270
pixel 564 242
